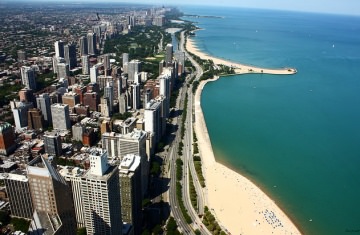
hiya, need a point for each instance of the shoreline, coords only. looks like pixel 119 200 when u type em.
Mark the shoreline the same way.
pixel 238 67
pixel 239 205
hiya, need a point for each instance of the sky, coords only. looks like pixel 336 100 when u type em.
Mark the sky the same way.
pixel 347 7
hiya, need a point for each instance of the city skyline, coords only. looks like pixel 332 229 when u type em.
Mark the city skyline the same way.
pixel 350 7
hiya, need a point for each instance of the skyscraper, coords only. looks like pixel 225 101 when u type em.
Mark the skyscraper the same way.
pixel 35 119
pixel 59 49
pixel 7 138
pixel 134 66
pixel 51 197
pixel 165 91
pixel 70 55
pixel 169 54
pixel 130 187
pixel 43 103
pixel 106 62
pixel 100 189
pixel 119 145
pixel 20 113
pixel 61 116
pixel 18 191
pixel 52 142
pixel 83 46
pixel 91 40
pixel 28 77
pixel 152 116
pixel 63 70
pixel 85 64
pixel 109 94
pixel 125 58
pixel 135 88
pixel 93 74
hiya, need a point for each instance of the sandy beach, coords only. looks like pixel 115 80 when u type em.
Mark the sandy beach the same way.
pixel 239 68
pixel 237 203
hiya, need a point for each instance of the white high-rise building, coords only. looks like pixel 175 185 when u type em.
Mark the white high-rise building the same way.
pixel 20 113
pixel 59 49
pixel 100 189
pixel 119 145
pixel 63 70
pixel 125 58
pixel 85 64
pixel 152 116
pixel 169 54
pixel 28 77
pixel 43 103
pixel 165 91
pixel 94 74
pixel 91 41
pixel 134 66
pixel 60 116
pixel 83 46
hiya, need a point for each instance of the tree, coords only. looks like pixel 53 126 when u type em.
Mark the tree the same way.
pixel 81 231
pixel 171 225
pixel 4 217
pixel 157 230
pixel 20 224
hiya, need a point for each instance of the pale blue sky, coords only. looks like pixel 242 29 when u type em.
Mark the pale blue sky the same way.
pixel 351 7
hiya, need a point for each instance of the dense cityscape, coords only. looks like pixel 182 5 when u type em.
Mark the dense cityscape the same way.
pixel 96 108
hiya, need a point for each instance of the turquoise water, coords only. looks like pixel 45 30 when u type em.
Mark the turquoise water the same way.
pixel 297 136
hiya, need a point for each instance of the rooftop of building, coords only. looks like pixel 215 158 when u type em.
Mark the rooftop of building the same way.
pixel 129 163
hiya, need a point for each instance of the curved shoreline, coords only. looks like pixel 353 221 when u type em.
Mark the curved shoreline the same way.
pixel 238 204
pixel 238 67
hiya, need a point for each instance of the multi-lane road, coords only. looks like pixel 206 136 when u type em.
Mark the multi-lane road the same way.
pixel 187 157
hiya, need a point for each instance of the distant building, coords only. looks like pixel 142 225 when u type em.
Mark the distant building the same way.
pixel 109 94
pixel 21 55
pixel 20 112
pixel 43 103
pixel 135 90
pixel 125 58
pixel 78 131
pixel 28 77
pixel 91 41
pixel 83 50
pixel 134 67
pixel 71 99
pixel 63 70
pixel 130 187
pixel 85 64
pixel 169 54
pixel 59 49
pixel 35 119
pixel 100 189
pixel 70 55
pixel 61 117
pixel 92 99
pixel 7 138
pixel 52 142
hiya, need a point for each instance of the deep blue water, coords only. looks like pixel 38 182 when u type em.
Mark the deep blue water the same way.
pixel 297 136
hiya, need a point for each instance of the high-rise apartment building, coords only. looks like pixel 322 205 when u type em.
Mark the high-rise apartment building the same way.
pixel 43 103
pixel 63 70
pixel 59 49
pixel 165 91
pixel 18 191
pixel 125 58
pixel 92 99
pixel 52 142
pixel 60 116
pixel 20 113
pixel 70 55
pixel 130 188
pixel 51 198
pixel 109 94
pixel 134 67
pixel 83 49
pixel 91 41
pixel 71 99
pixel 152 116
pixel 28 77
pixel 101 196
pixel 7 138
pixel 35 119
pixel 85 64
pixel 169 54
pixel 119 145
pixel 135 90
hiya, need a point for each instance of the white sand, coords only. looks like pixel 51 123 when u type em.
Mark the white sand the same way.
pixel 239 205
pixel 239 68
